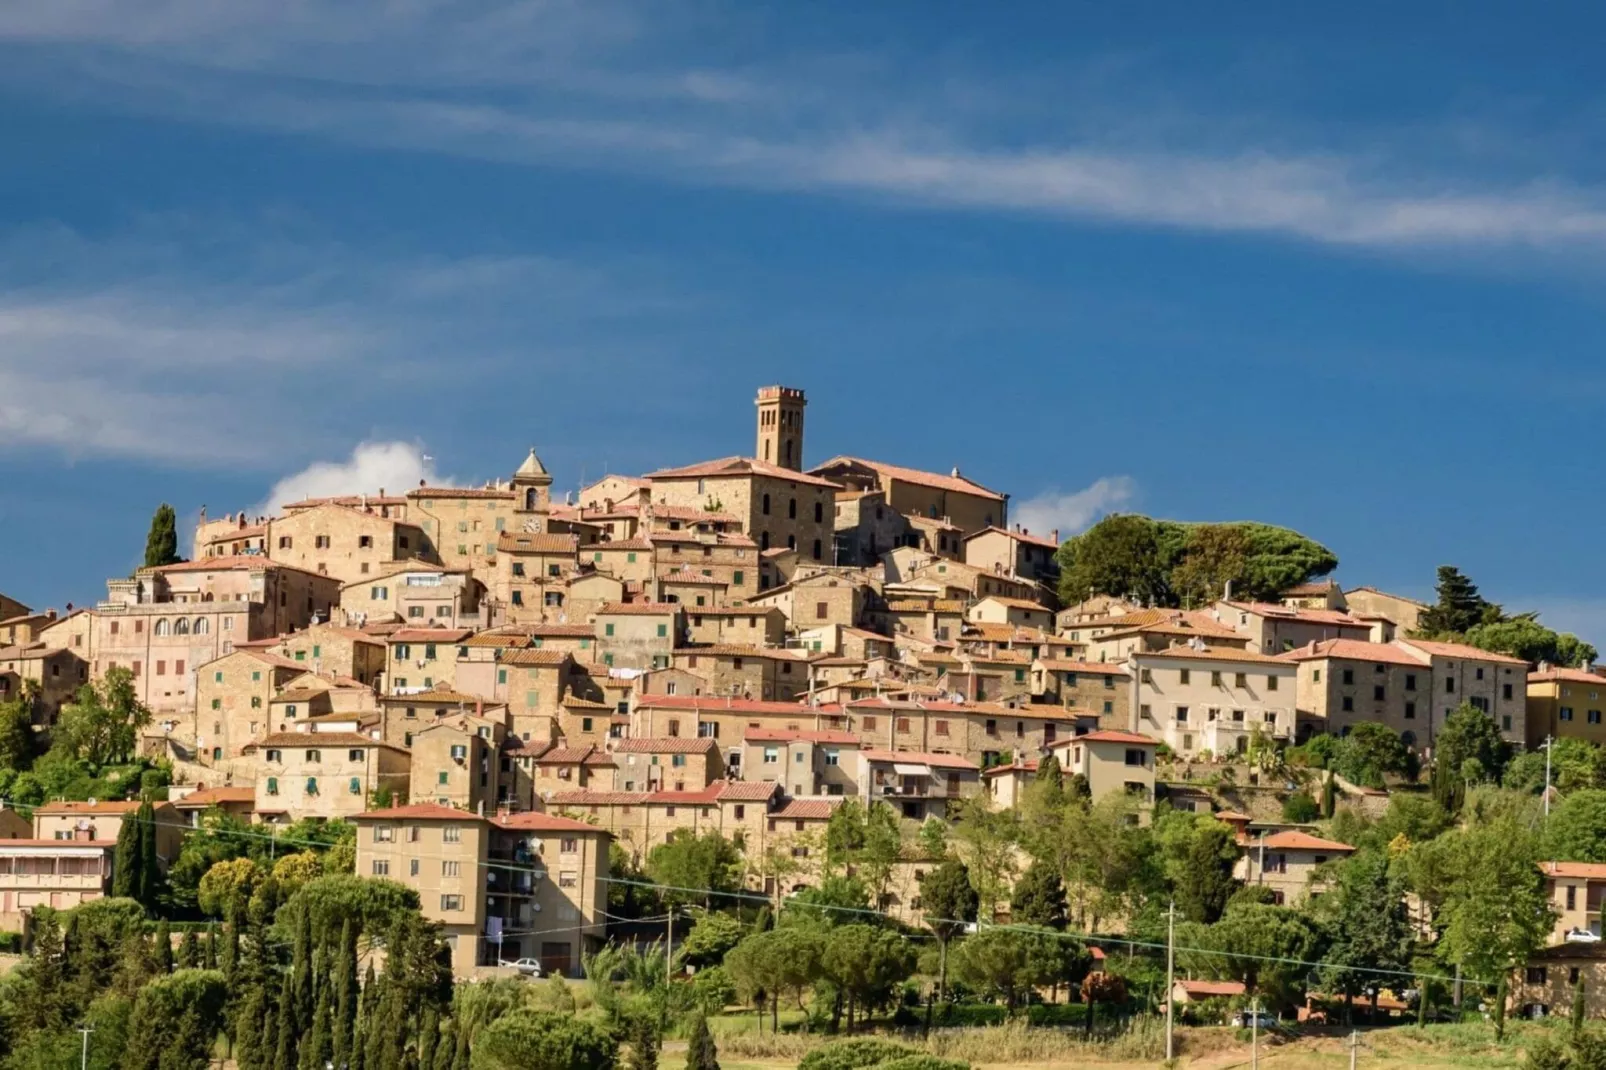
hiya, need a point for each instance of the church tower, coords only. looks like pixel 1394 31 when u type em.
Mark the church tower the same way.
pixel 532 490
pixel 780 426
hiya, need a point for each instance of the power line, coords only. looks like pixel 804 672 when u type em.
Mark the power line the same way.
pixel 794 901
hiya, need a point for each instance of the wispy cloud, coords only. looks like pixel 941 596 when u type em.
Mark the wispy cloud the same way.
pixel 627 87
pixel 165 346
pixel 1073 511
pixel 392 467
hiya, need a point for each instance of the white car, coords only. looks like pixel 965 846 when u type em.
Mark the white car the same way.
pixel 1582 936
pixel 525 967
pixel 1245 1019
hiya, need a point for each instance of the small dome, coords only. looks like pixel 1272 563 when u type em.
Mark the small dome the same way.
pixel 531 467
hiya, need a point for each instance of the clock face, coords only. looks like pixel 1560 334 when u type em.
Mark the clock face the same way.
pixel 533 525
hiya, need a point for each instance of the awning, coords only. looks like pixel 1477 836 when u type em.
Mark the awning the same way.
pixel 911 770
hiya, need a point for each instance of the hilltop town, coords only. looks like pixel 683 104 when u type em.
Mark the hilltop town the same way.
pixel 532 710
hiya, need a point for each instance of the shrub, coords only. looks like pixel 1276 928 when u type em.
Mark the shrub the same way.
pixel 1301 809
pixel 856 1054
pixel 922 1062
pixel 538 1040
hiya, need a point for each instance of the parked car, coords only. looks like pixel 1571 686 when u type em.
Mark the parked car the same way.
pixel 1582 936
pixel 1245 1019
pixel 525 967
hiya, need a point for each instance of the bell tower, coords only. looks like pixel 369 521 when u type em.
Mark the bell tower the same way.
pixel 780 426
pixel 532 489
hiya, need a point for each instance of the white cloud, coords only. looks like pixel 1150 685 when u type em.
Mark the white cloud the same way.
pixel 639 89
pixel 1069 513
pixel 392 467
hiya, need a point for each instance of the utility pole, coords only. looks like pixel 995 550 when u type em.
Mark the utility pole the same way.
pixel 83 1060
pixel 1548 741
pixel 1254 1034
pixel 669 950
pixel 1170 978
pixel 1354 1046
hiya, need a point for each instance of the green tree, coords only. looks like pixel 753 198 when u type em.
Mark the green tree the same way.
pixel 189 951
pixel 164 949
pixel 17 740
pixel 1049 771
pixel 1576 831
pixel 346 995
pixel 148 887
pixel 950 903
pixel 712 936
pixel 101 725
pixel 1467 734
pixel 126 861
pixel 175 1020
pixel 769 965
pixel 997 962
pixel 1459 606
pixel 1267 948
pixel 701 1054
pixel 866 964
pixel 696 868
pixel 161 545
pixel 538 1040
pixel 1039 898
pixel 1300 808
pixel 1370 930
pixel 868 838
pixel 1120 555
pixel 1575 764
pixel 1524 637
pixel 1493 906
pixel 986 840
pixel 1197 855
pixel 1369 752
pixel 1214 555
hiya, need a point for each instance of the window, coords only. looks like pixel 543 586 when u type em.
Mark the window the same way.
pixel 1184 675
pixel 1449 685
pixel 764 505
pixel 1349 676
pixel 1271 683
pixel 1479 673
pixel 451 902
pixel 1565 713
pixel 450 869
pixel 1572 897
pixel 1593 717
pixel 1215 679
pixel 1410 711
pixel 771 755
pixel 903 725
pixel 381 867
pixel 791 509
pixel 1182 715
pixel 868 724
pixel 736 578
pixel 663 630
pixel 1505 691
pixel 273 785
pixel 607 630
pixel 384 833
pixel 1348 703
pixel 313 755
pixel 312 785
pixel 1535 975
pixel 1410 681
pixel 451 834
pixel 568 879
pixel 1316 676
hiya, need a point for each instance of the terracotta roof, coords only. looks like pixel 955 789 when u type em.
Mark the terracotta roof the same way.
pixel 731 611
pixel 318 740
pixel 418 812
pixel 64 845
pixel 535 657
pixel 1385 594
pixel 397 568
pixel 781 735
pixel 1231 815
pixel 233 562
pixel 30 652
pixel 925 605
pixel 204 797
pixel 639 609
pixel 1291 840
pixel 1021 536
pixel 430 635
pixel 955 483
pixel 621 544
pixel 1016 766
pixel 561 631
pixel 1212 653
pixel 1584 870
pixel 715 703
pixel 685 575
pixel 529 542
pixel 347 500
pixel 740 466
pixel 806 810
pixel 1107 736
pixel 941 761
pixel 747 790
pixel 441 696
pixel 1206 989
pixel 666 745
pixel 99 806
pixel 1092 668
pixel 738 650
pixel 530 821
pixel 1565 675
pixel 460 492
pixel 565 755
pixel 1313 616
pixel 1461 650
pixel 1016 603
pixel 1356 650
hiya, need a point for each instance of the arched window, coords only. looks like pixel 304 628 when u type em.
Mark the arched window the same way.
pixel 789 452
pixel 162 627
pixel 819 512
pixel 763 540
pixel 529 498
pixel 202 626
pixel 181 626
pixel 1408 738
pixel 791 509
pixel 207 597
pixel 764 506
pixel 816 549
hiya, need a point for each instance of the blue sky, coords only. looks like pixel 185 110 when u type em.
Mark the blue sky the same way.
pixel 1340 272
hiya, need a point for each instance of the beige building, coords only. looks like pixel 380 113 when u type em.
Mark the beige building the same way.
pixel 966 504
pixel 819 600
pixel 1497 684
pixel 343 542
pixel 638 635
pixel 422 659
pixel 418 594
pixel 805 762
pixel 503 888
pixel 1562 703
pixel 722 718
pixel 1111 762
pixel 729 559
pixel 643 820
pixel 332 650
pixel 464 524
pixel 1275 629
pixel 55 673
pixel 103 821
pixel 778 507
pixel 688 763
pixel 1369 602
pixel 918 785
pixel 60 874
pixel 756 624
pixel 234 695
pixel 1101 688
pixel 1289 863
pixel 533 573
pixel 457 761
pixel 1015 552
pixel 1199 698
pixel 164 622
pixel 1341 683
pixel 324 774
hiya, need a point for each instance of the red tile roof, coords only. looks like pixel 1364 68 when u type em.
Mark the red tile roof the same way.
pixel 716 703
pixel 1206 989
pixel 955 483
pixel 549 658
pixel 1091 668
pixel 940 761
pixel 204 797
pixel 1564 675
pixel 1356 650
pixel 1291 840
pixel 1022 536
pixel 1584 870
pixel 731 467
pixel 99 806
pixel 806 810
pixel 529 821
pixel 530 542
pixel 1461 650
pixel 781 735
pixel 319 740
pixel 1107 736
pixel 666 745
pixel 565 755
pixel 418 812
pixel 640 609
pixel 430 635
pixel 1212 653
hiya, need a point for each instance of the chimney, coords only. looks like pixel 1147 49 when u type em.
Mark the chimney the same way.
pixel 1054 536
pixel 956 471
pixel 1227 596
pixel 479 707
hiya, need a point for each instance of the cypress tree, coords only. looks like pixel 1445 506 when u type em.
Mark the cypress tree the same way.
pixel 317 1048
pixel 346 995
pixel 284 1052
pixel 149 872
pixel 445 1047
pixel 460 1052
pixel 229 957
pixel 301 968
pixel 700 1051
pixel 429 1031
pixel 164 948
pixel 125 862
pixel 248 1031
pixel 211 946
pixel 1329 796
pixel 189 951
pixel 1578 1010
pixel 161 543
